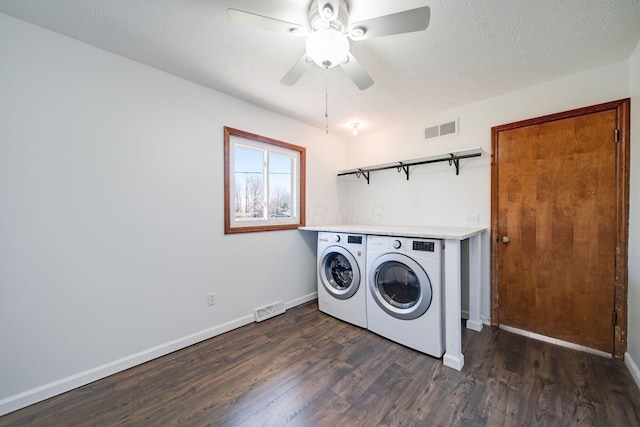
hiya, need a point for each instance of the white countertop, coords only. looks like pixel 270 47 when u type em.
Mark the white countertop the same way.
pixel 453 233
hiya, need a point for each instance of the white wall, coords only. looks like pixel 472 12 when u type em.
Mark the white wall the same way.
pixel 111 214
pixel 633 323
pixel 434 195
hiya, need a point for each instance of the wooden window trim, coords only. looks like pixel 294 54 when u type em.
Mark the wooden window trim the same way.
pixel 228 229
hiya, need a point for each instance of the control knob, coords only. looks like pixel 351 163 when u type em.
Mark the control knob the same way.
pixel 336 238
pixel 396 244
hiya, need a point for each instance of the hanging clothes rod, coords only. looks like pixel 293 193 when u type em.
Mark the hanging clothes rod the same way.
pixel 453 158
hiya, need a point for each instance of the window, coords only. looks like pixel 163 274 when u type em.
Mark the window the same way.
pixel 264 183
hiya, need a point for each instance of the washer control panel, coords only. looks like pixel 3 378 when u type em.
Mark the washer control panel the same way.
pixel 342 239
pixel 354 239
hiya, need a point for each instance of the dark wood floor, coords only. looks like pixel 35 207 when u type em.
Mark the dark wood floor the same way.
pixel 305 368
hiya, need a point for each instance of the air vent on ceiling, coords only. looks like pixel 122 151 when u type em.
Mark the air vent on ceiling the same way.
pixel 448 128
pixel 264 313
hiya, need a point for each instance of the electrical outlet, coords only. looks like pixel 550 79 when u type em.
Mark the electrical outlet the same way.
pixel 473 219
pixel 211 298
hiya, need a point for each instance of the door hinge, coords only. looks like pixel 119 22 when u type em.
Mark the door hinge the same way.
pixel 616 135
pixel 615 318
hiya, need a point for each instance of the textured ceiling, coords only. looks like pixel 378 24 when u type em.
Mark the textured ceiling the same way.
pixel 472 50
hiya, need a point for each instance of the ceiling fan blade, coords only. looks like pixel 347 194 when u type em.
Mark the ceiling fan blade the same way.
pixel 249 19
pixel 296 71
pixel 396 23
pixel 359 76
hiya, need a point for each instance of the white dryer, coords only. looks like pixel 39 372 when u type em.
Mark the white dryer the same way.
pixel 404 291
pixel 341 276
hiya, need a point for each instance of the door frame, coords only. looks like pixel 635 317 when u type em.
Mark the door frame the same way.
pixel 621 210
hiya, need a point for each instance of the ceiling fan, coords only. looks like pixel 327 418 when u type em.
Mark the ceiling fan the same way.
pixel 328 32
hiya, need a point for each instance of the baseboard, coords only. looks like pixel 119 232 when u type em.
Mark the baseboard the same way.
pixel 46 391
pixel 453 362
pixel 484 319
pixel 301 300
pixel 633 368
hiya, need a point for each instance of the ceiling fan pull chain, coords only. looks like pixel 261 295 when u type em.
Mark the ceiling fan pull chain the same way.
pixel 326 102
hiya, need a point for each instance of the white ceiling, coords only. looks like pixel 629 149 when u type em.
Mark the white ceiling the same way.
pixel 472 50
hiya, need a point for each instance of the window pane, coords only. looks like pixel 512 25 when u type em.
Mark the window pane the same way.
pixel 249 183
pixel 280 186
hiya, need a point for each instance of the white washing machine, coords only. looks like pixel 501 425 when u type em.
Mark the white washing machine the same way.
pixel 341 276
pixel 404 292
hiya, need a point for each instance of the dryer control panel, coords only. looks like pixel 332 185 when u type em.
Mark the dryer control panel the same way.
pixel 424 246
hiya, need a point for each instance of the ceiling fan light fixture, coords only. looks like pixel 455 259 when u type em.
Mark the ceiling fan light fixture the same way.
pixel 327 47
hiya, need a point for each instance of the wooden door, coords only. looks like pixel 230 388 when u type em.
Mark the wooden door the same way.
pixel 559 214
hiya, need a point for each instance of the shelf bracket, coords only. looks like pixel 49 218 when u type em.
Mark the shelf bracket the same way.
pixel 405 168
pixel 363 173
pixel 456 162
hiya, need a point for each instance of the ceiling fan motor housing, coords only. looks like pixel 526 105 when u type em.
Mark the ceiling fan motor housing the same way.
pixel 318 21
pixel 327 45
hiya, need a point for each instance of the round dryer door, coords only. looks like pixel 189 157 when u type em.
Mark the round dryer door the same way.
pixel 339 272
pixel 400 286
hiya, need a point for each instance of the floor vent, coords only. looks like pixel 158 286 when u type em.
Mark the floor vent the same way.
pixel 448 128
pixel 267 312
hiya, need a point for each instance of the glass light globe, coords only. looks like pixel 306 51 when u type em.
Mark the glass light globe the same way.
pixel 327 47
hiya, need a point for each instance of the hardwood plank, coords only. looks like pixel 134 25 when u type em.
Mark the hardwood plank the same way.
pixel 305 368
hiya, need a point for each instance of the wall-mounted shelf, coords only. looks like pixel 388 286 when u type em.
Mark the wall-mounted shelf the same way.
pixel 453 158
